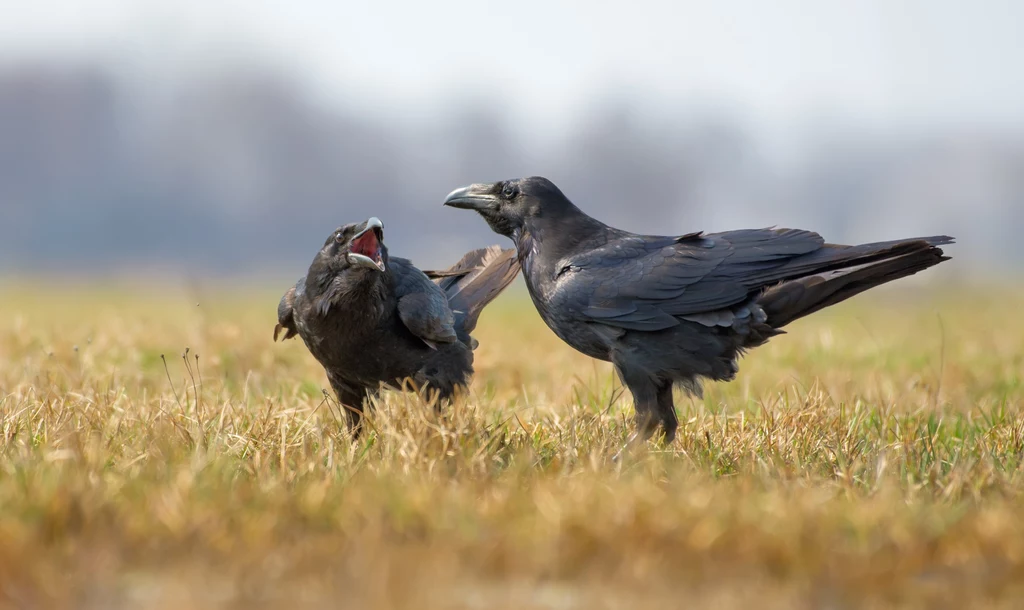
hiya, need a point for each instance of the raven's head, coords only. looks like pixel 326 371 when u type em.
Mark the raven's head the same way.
pixel 355 248
pixel 510 205
pixel 353 261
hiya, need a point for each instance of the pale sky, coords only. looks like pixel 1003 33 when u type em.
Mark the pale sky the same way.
pixel 904 62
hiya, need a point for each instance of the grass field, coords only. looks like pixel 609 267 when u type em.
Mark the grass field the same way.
pixel 872 457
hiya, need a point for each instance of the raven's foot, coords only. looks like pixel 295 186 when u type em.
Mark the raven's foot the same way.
pixel 631 445
pixel 646 429
pixel 646 432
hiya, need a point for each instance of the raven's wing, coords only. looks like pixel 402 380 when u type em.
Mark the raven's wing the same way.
pixel 422 305
pixel 286 310
pixel 645 283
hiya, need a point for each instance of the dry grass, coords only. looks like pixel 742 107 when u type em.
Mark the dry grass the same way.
pixel 872 457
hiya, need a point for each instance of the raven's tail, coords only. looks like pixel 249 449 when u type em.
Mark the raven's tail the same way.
pixel 473 282
pixel 844 271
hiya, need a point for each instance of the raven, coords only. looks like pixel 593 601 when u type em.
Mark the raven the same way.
pixel 668 310
pixel 373 319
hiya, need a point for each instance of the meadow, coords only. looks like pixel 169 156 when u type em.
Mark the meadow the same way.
pixel 158 450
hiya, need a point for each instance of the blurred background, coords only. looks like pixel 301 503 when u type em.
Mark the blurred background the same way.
pixel 229 138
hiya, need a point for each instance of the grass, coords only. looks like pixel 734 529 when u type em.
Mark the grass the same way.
pixel 870 458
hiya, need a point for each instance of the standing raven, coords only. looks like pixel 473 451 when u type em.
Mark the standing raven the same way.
pixel 675 309
pixel 369 318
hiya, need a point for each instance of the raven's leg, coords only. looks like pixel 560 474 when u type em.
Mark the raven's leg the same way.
pixel 352 400
pixel 645 400
pixel 667 411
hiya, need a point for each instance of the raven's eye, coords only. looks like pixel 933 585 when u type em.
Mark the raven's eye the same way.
pixel 339 237
pixel 509 191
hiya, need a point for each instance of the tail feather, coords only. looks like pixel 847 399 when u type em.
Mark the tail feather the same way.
pixel 841 277
pixel 832 257
pixel 475 281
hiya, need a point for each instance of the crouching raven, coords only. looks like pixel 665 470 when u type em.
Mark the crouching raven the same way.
pixel 372 319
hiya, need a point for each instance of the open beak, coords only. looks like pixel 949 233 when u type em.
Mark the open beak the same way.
pixel 473 197
pixel 366 247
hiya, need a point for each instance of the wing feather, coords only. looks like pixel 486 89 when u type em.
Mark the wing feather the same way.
pixel 648 283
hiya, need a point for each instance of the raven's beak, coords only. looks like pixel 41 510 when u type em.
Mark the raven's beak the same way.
pixel 372 223
pixel 477 197
pixel 365 249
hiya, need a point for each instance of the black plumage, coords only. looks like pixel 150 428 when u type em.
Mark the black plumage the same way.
pixel 671 310
pixel 373 319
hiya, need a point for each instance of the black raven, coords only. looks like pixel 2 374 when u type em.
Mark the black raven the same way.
pixel 668 310
pixel 373 319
